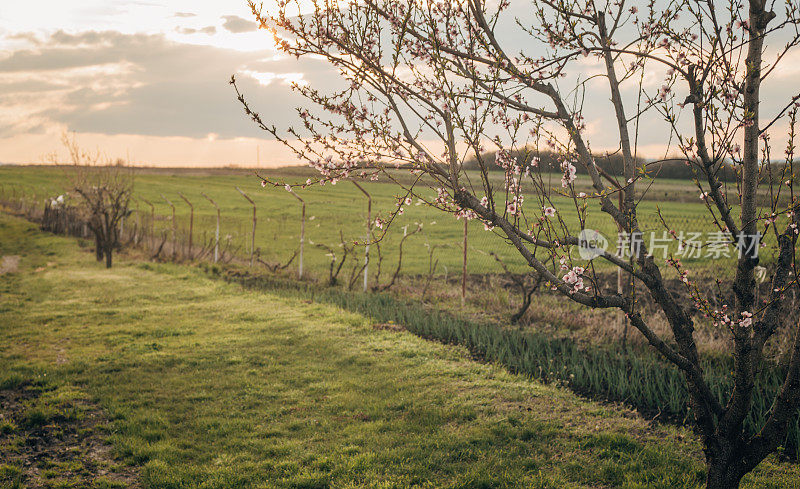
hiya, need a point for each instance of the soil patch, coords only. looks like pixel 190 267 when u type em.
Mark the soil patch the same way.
pixel 49 441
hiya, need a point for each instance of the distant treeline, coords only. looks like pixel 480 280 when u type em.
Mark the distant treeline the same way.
pixel 674 168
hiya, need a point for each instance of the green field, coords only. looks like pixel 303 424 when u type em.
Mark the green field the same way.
pixel 208 385
pixel 342 208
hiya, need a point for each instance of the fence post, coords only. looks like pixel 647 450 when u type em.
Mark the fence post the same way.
pixel 152 222
pixel 137 235
pixel 191 222
pixel 174 243
pixel 253 236
pixel 464 267
pixel 302 231
pixel 369 227
pixel 216 232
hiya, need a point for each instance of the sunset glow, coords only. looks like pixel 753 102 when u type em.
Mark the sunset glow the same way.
pixel 151 81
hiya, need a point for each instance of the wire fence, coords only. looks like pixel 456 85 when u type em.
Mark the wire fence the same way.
pixel 335 237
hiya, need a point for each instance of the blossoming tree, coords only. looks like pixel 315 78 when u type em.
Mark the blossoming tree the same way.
pixel 431 83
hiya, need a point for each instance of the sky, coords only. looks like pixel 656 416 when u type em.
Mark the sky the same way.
pixel 147 81
pixel 143 80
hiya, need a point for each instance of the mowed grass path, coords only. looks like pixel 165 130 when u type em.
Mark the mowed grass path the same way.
pixel 212 386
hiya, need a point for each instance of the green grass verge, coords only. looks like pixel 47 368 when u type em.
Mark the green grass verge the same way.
pixel 212 386
pixel 635 376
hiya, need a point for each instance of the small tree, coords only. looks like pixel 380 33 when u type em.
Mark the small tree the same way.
pixel 431 85
pixel 105 188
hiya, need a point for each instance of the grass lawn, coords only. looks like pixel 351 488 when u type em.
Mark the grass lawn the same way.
pixel 208 385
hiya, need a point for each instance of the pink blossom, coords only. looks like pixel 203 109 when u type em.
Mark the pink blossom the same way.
pixel 569 174
pixel 504 159
pixel 467 214
pixel 549 212
pixel 574 278
pixel 512 207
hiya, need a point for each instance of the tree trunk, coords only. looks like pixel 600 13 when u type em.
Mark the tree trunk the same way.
pixel 98 247
pixel 718 479
pixel 526 303
pixel 725 467
pixel 108 256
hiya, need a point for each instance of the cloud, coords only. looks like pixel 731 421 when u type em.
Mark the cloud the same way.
pixel 184 14
pixel 210 30
pixel 113 83
pixel 236 24
pixel 28 37
pixel 265 77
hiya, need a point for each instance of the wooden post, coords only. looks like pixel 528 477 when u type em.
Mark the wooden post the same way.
pixel 369 227
pixel 174 244
pixel 138 234
pixel 152 221
pixel 302 231
pixel 464 267
pixel 253 236
pixel 216 232
pixel 621 285
pixel 191 222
